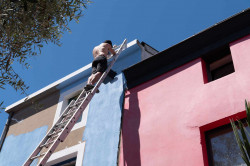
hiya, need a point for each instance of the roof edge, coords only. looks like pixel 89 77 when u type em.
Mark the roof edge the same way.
pixel 224 32
pixel 55 85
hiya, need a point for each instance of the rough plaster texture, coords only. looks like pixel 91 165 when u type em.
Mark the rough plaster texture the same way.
pixel 103 127
pixel 39 114
pixel 28 126
pixel 16 149
pixel 165 119
pixel 104 118
pixel 74 138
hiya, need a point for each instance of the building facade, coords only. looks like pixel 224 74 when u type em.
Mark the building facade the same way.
pixel 163 108
pixel 94 144
pixel 177 111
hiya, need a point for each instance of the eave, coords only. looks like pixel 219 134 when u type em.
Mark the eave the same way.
pixel 196 46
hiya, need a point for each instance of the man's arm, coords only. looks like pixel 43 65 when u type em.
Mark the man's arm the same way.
pixel 111 49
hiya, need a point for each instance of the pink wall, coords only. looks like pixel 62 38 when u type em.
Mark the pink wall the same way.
pixel 164 119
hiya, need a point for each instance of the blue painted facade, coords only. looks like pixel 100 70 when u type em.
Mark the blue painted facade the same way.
pixel 103 124
pixel 104 118
pixel 128 57
pixel 17 149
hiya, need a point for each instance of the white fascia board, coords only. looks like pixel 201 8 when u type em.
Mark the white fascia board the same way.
pixel 50 86
pixel 132 43
pixel 59 82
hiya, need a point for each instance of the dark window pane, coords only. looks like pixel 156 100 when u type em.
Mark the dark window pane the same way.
pixel 74 98
pixel 219 63
pixel 69 162
pixel 222 71
pixel 222 148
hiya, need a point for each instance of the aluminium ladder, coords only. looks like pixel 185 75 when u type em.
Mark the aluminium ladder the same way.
pixel 67 120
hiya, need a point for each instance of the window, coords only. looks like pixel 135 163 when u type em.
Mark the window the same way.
pixel 65 98
pixel 69 162
pixel 74 98
pixel 72 156
pixel 222 147
pixel 219 63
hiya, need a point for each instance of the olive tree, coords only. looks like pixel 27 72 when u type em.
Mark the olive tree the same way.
pixel 25 26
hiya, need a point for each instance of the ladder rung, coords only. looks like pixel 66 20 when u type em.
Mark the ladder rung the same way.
pixel 79 101
pixel 53 136
pixel 61 123
pixel 59 131
pixel 58 127
pixel 68 113
pixel 32 158
pixel 56 132
pixel 72 106
pixel 47 143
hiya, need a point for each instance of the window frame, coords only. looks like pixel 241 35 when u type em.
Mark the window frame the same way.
pixel 225 128
pixel 218 59
pixel 68 153
pixel 63 103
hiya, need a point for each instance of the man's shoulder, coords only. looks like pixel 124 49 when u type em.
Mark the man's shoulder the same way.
pixel 104 44
pixel 101 45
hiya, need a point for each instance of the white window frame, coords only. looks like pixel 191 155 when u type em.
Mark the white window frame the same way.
pixel 63 103
pixel 68 153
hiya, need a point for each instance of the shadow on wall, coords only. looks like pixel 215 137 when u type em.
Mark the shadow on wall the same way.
pixel 110 80
pixel 130 132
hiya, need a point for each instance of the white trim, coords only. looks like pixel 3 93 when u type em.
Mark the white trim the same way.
pixel 63 102
pixel 58 82
pixel 132 43
pixel 65 154
pixel 54 84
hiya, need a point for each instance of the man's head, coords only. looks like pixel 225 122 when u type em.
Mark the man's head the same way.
pixel 109 42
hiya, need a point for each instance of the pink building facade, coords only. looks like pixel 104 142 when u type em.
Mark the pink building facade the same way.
pixel 179 103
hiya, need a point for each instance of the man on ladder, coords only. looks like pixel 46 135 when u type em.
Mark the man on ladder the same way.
pixel 99 64
pixel 62 127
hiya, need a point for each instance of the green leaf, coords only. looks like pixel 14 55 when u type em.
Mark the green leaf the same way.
pixel 244 137
pixel 24 28
pixel 248 112
pixel 239 142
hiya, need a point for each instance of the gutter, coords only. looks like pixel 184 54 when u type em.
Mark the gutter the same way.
pixel 5 130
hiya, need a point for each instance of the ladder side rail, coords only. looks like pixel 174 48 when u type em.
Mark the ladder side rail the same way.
pixel 118 53
pixel 67 109
pixel 36 152
pixel 60 139
pixel 80 109
pixel 38 149
pixel 80 96
pixel 70 124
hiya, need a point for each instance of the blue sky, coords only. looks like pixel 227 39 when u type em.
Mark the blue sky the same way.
pixel 159 23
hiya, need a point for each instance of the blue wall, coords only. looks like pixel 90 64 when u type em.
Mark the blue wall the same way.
pixel 16 149
pixel 103 125
pixel 104 118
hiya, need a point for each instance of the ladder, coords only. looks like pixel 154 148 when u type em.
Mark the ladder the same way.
pixel 60 130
